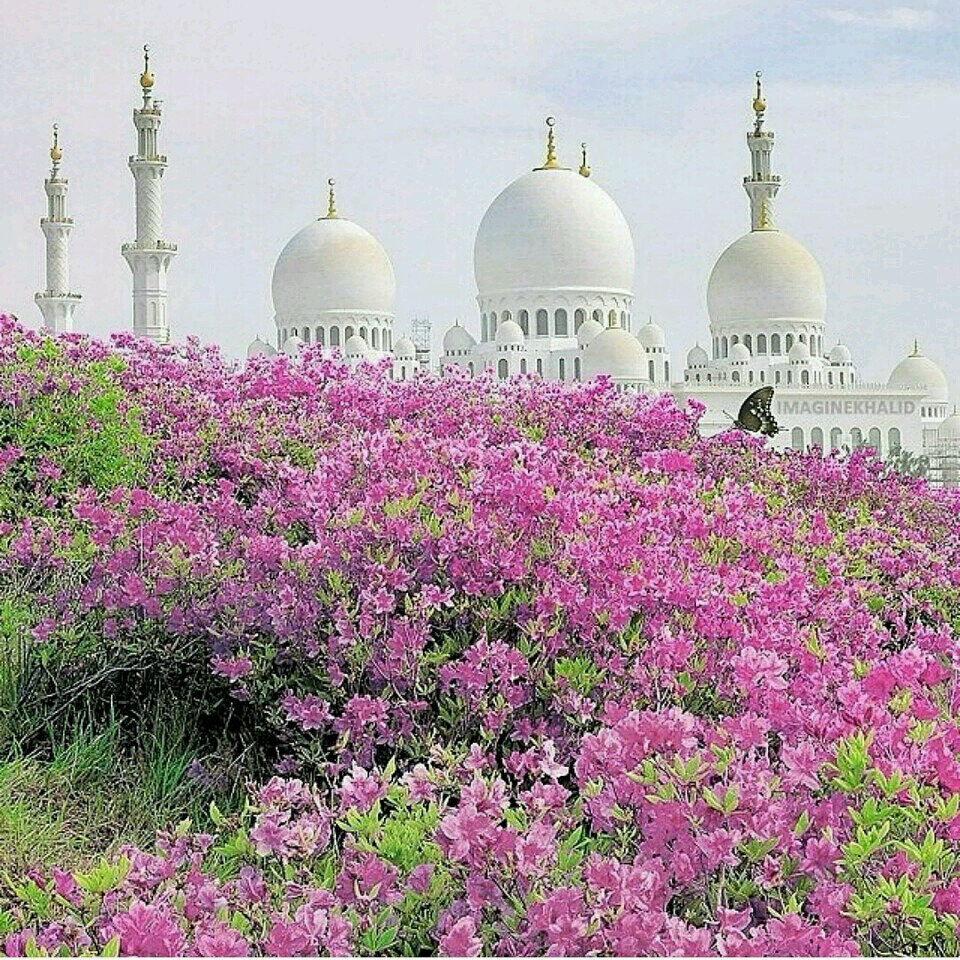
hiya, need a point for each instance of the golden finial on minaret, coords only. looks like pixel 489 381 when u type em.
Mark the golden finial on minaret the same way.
pixel 331 201
pixel 584 166
pixel 551 162
pixel 55 152
pixel 759 104
pixel 146 78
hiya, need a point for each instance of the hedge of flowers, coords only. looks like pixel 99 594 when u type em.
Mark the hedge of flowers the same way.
pixel 527 668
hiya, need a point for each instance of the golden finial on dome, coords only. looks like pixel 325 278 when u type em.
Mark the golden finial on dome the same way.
pixel 916 348
pixel 331 201
pixel 146 78
pixel 551 162
pixel 584 166
pixel 55 152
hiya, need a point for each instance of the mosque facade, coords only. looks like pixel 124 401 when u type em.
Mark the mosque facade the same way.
pixel 554 267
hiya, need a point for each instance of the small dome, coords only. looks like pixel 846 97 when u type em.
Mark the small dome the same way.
pixel 652 336
pixel 509 332
pixel 405 349
pixel 840 354
pixel 949 429
pixel 765 275
pixel 356 347
pixel 553 229
pixel 799 351
pixel 260 348
pixel 697 357
pixel 292 346
pixel 458 338
pixel 919 371
pixel 588 330
pixel 332 264
pixel 739 351
pixel 618 354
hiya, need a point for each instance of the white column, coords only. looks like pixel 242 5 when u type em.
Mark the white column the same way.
pixel 761 185
pixel 149 256
pixel 55 301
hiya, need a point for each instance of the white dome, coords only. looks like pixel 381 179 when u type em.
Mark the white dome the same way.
pixel 949 429
pixel 840 354
pixel 919 371
pixel 458 338
pixel 332 264
pixel 405 349
pixel 509 332
pixel 553 229
pixel 292 346
pixel 356 347
pixel 697 357
pixel 652 336
pixel 260 348
pixel 617 353
pixel 588 330
pixel 799 351
pixel 739 351
pixel 766 275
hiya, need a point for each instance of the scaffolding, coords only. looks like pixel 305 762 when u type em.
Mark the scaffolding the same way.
pixel 421 333
pixel 944 469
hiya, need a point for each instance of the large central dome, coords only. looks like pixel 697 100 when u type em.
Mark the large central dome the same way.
pixel 766 275
pixel 553 229
pixel 332 264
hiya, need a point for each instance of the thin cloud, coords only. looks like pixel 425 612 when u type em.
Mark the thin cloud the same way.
pixel 894 18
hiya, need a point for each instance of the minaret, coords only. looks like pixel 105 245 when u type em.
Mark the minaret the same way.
pixel 761 185
pixel 55 303
pixel 149 255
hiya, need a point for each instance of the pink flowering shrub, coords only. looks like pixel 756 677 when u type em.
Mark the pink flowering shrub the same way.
pixel 563 677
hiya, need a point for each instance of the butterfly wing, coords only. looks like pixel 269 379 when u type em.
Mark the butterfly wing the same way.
pixel 756 414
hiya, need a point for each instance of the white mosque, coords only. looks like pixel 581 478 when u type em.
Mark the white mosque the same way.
pixel 554 269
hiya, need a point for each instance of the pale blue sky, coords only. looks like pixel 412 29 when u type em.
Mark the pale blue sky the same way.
pixel 425 111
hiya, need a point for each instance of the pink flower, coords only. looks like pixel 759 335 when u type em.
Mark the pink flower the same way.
pixel 287 938
pixel 461 940
pixel 419 877
pixel 361 790
pixel 147 931
pixel 216 939
pixel 232 668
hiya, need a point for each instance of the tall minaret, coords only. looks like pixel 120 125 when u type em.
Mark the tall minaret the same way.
pixel 55 303
pixel 149 255
pixel 761 185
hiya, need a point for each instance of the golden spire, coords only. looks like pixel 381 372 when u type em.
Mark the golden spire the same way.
pixel 551 162
pixel 759 104
pixel 146 78
pixel 331 202
pixel 55 152
pixel 584 166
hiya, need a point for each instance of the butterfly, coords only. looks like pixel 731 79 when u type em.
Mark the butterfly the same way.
pixel 755 415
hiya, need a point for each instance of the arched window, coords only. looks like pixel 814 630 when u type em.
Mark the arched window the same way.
pixel 666 371
pixel 484 327
pixel 334 336
pixel 841 378
pixel 470 368
pixel 612 318
pixel 830 378
pixel 523 364
pixel 560 322
pixel 686 376
pixel 562 367
pixel 796 438
pixel 709 378
pixel 576 368
pixel 835 434
pixel 598 316
pixel 761 344
pixel 716 348
pixel 816 437
pixel 748 342
pixel 803 337
pixel 375 338
pixel 539 366
pixel 387 339
pixel 735 376
pixel 789 376
pixel 623 319
pixel 523 318
pixel 789 342
pixel 347 334
pixel 893 440
pixel 493 326
pixel 763 376
pixel 734 339
pixel 856 438
pixel 873 440
pixel 724 347
pixel 363 334
pixel 306 335
pixel 502 369
pixel 579 315
pixel 320 337
pixel 750 377
pixel 805 377
pixel 775 344
pixel 543 328
pixel 293 331
pixel 776 376
pixel 505 316
pixel 651 372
